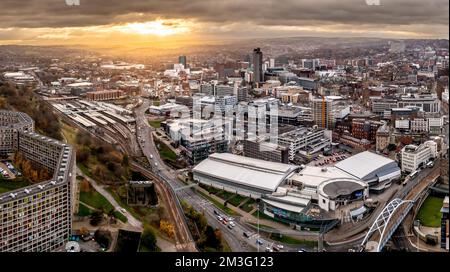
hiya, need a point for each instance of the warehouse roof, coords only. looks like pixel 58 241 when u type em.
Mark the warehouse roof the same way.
pixel 366 165
pixel 245 171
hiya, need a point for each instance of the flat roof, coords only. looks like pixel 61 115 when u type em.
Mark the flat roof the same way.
pixel 363 164
pixel 245 171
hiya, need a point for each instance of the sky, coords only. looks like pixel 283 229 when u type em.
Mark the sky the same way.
pixel 166 22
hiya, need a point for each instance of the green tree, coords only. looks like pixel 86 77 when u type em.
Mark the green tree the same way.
pixel 148 239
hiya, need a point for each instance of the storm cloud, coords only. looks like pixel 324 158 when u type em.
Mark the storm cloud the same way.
pixel 392 15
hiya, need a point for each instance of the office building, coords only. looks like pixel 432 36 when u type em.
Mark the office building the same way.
pixel 414 156
pixel 327 110
pixel 365 129
pixel 379 105
pixel 382 137
pixel 425 102
pixel 264 150
pixel 258 75
pixel 305 140
pixel 182 60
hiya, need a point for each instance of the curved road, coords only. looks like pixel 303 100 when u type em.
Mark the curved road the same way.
pixel 234 236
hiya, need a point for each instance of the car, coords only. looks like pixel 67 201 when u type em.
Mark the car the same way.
pixel 246 234
pixel 216 212
pixel 279 246
pixel 219 218
pixel 230 226
pixel 123 210
pixel 302 250
pixel 268 249
pixel 259 241
pixel 230 218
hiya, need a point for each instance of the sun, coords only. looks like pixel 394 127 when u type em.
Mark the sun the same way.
pixel 159 28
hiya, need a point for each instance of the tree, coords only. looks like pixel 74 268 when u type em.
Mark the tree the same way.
pixel 167 228
pixel 84 231
pixel 148 239
pixel 212 239
pixel 103 238
pixel 96 218
pixel 85 186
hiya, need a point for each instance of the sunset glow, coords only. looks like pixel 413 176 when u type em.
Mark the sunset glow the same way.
pixel 159 28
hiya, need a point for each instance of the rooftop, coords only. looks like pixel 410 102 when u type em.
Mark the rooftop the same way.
pixel 312 176
pixel 245 171
pixel 365 163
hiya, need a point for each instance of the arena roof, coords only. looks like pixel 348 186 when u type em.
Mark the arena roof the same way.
pixel 367 165
pixel 312 176
pixel 245 171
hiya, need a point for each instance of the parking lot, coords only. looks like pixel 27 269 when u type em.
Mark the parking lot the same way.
pixel 7 170
pixel 335 157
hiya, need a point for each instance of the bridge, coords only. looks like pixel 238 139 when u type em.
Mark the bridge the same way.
pixel 395 211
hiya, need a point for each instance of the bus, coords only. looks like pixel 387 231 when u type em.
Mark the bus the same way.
pixel 410 177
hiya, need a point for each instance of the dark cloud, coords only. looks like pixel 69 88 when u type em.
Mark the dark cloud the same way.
pixel 55 13
pixel 391 15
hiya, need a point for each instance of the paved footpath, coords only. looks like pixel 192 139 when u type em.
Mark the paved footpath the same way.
pixel 130 219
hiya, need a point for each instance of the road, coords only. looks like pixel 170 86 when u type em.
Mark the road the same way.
pixel 234 237
pixel 130 219
pixel 412 192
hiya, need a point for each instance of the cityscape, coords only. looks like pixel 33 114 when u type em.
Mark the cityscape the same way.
pixel 224 126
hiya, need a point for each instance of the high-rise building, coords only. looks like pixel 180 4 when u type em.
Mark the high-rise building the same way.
pixel 257 66
pixel 327 110
pixel 271 63
pixel 37 217
pixel 182 60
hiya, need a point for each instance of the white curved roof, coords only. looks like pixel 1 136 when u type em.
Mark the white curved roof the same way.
pixel 245 171
pixel 365 163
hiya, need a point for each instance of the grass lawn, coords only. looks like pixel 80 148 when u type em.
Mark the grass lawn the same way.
pixel 121 203
pixel 430 212
pixel 249 205
pixel 69 133
pixel 292 241
pixel 120 216
pixel 84 211
pixel 10 185
pixel 166 152
pixel 224 195
pixel 96 200
pixel 236 200
pixel 155 123
pixel 209 188
pixel 219 205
